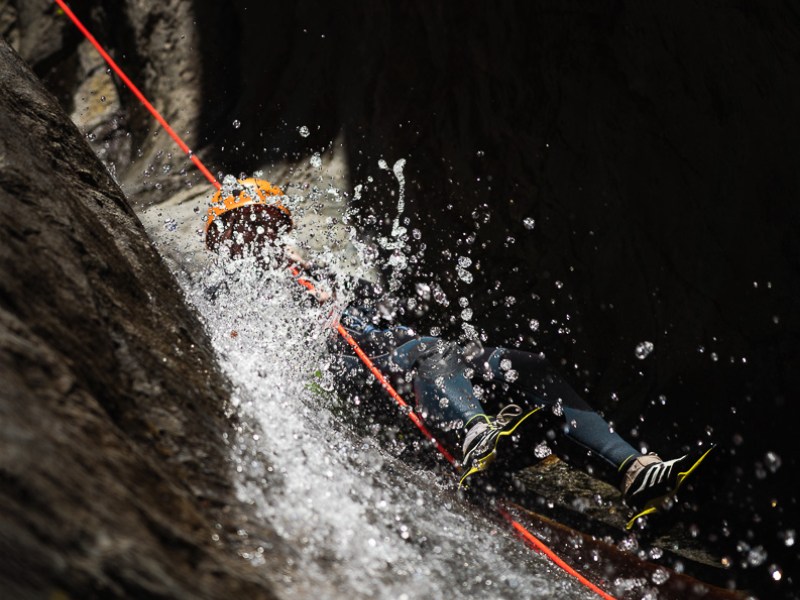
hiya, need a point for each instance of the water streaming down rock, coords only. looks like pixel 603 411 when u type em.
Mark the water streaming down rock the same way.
pixel 365 520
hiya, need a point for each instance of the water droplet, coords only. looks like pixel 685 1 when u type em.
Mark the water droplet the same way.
pixel 643 350
pixel 304 132
pixel 511 375
pixel 237 123
pixel 789 537
pixel 466 314
pixel 316 160
pixel 505 364
pixel 772 461
pixel 439 295
pixel 481 153
pixel 469 331
pixel 660 576
pixel 534 325
pixel 529 223
pixel 463 302
pixel 102 98
pixel 757 556
pixel 464 262
pixel 542 451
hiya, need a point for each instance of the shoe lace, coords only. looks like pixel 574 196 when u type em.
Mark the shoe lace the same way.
pixel 639 465
pixel 508 414
pixel 503 418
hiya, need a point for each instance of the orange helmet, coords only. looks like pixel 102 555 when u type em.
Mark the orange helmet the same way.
pixel 246 217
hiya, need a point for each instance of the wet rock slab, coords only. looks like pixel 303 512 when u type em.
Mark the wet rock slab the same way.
pixel 114 473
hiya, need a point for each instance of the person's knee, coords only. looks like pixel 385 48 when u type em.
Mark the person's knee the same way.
pixel 445 361
pixel 410 355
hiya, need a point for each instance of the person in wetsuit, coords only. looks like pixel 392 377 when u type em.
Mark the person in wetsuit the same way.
pixel 521 410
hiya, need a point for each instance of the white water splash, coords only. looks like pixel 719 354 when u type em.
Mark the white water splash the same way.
pixel 398 261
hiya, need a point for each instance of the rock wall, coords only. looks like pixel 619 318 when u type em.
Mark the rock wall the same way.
pixel 113 464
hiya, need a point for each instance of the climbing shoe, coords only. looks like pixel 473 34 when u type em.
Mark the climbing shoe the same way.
pixel 650 483
pixel 480 443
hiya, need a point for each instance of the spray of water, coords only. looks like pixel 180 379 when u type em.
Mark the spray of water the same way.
pixel 364 522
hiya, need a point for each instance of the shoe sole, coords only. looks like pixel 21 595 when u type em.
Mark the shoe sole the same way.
pixel 656 503
pixel 486 461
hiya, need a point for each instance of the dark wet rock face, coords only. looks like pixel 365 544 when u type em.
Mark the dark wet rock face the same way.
pixel 112 461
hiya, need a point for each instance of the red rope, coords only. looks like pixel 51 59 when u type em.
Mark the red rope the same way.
pixel 139 94
pixel 537 545
pixel 521 531
pixel 388 387
pixel 379 376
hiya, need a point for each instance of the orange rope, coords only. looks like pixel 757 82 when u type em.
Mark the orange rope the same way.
pixel 388 387
pixel 379 376
pixel 537 545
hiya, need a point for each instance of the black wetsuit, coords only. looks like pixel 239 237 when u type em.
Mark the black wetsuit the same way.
pixel 452 387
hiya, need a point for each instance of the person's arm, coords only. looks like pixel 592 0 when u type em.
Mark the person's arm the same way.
pixel 296 261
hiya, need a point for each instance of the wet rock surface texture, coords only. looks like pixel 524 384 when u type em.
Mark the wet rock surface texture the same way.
pixel 112 461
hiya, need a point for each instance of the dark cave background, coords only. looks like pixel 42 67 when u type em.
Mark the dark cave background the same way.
pixel 656 147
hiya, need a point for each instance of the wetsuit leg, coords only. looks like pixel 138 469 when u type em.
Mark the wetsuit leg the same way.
pixel 444 396
pixel 570 427
pixel 443 393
